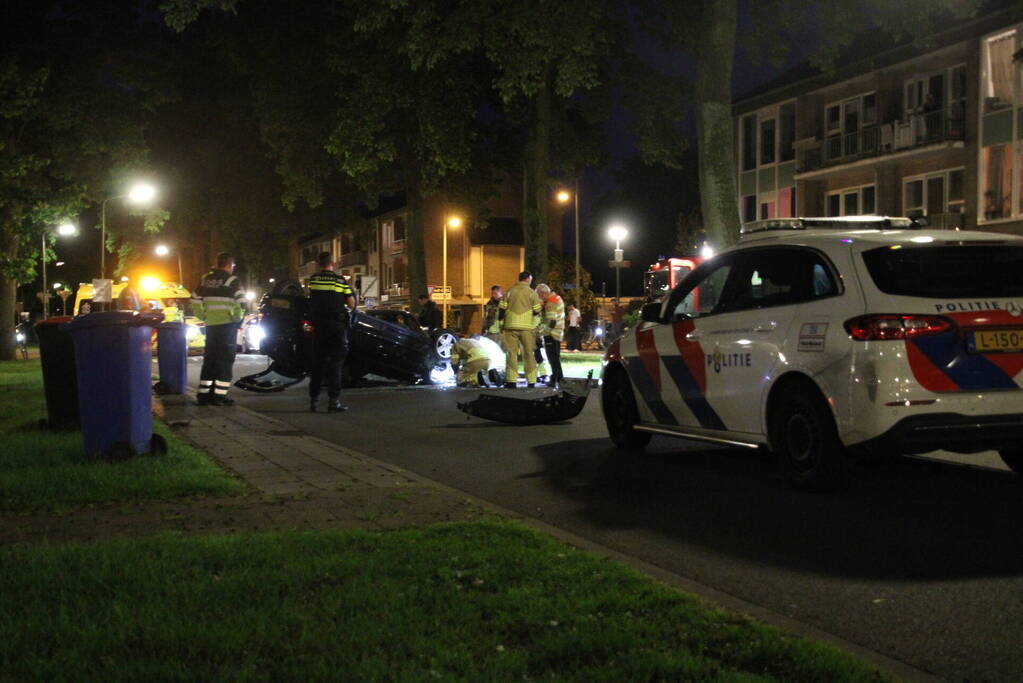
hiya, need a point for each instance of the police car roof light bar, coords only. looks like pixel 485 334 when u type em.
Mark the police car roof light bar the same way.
pixel 835 223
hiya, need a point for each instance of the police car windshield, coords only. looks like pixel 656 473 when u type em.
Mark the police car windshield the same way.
pixel 954 272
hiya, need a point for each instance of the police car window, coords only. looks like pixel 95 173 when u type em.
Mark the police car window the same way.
pixel 704 297
pixel 777 277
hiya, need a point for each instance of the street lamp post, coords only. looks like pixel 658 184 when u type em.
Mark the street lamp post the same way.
pixel 618 233
pixel 139 194
pixel 163 250
pixel 452 222
pixel 64 230
pixel 563 197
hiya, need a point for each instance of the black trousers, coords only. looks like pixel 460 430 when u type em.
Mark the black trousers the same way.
pixel 218 359
pixel 330 348
pixel 574 339
pixel 553 348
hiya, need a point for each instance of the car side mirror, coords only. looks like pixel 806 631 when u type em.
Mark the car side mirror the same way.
pixel 651 312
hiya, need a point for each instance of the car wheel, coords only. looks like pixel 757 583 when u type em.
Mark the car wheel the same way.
pixel 288 288
pixel 804 436
pixel 443 343
pixel 1013 458
pixel 621 414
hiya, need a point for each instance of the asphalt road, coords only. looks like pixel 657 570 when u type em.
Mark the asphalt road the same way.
pixel 918 559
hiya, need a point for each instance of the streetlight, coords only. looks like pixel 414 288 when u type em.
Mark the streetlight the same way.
pixel 163 250
pixel 563 197
pixel 140 193
pixel 618 232
pixel 63 230
pixel 451 222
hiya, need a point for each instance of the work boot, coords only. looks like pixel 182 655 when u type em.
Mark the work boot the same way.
pixel 510 385
pixel 313 403
pixel 530 385
pixel 336 406
pixel 203 399
pixel 223 401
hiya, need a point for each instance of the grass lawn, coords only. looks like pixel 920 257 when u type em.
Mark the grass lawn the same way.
pixel 482 601
pixel 41 470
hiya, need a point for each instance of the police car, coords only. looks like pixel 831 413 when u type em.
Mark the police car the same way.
pixel 822 338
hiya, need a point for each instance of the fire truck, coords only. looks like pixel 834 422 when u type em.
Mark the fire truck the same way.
pixel 662 276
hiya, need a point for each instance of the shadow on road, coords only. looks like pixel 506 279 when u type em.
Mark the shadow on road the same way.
pixel 904 518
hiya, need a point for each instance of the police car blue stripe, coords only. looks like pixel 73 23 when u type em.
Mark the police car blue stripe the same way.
pixel 971 371
pixel 648 390
pixel 691 393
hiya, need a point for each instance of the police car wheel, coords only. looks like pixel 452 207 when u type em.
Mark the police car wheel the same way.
pixel 1013 458
pixel 621 414
pixel 805 438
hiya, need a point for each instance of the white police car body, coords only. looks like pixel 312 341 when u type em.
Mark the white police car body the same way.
pixel 820 338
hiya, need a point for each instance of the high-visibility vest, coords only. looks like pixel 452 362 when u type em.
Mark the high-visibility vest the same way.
pixel 218 300
pixel 521 308
pixel 554 309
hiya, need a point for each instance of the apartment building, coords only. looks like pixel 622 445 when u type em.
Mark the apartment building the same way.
pixel 372 251
pixel 899 131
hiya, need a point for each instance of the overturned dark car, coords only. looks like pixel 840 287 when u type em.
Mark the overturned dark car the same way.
pixel 385 343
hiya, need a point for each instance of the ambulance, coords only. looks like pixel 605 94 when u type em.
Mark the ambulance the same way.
pixel 169 298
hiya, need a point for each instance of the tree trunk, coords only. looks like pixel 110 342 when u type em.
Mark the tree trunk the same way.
pixel 714 122
pixel 535 180
pixel 8 295
pixel 414 244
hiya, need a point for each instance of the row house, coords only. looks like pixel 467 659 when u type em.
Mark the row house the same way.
pixel 372 251
pixel 904 132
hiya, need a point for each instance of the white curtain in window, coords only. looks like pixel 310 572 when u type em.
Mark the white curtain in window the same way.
pixel 999 54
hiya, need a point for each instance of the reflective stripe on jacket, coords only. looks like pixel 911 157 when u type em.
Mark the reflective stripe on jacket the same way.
pixel 554 309
pixel 491 319
pixel 521 308
pixel 328 293
pixel 219 298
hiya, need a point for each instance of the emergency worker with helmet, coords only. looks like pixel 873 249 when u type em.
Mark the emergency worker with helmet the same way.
pixel 330 300
pixel 552 330
pixel 219 302
pixel 520 311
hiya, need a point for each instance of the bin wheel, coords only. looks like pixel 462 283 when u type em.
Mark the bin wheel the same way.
pixel 157 445
pixel 160 388
pixel 122 450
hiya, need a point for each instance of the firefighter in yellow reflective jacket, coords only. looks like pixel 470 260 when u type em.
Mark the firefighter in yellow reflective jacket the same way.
pixel 480 362
pixel 552 329
pixel 219 302
pixel 520 311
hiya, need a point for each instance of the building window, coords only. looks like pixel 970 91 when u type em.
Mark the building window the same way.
pixel 852 201
pixel 749 208
pixel 399 229
pixel 996 181
pixel 786 131
pixel 749 142
pixel 933 194
pixel 767 141
pixel 846 126
pixel 373 240
pixel 997 88
pixel 786 202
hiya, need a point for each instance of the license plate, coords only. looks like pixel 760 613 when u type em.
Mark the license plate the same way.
pixel 995 341
pixel 280 303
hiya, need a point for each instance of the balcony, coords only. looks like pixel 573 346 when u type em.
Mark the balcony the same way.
pixel 919 130
pixel 353 258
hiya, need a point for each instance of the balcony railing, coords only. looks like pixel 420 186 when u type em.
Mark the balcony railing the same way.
pixel 918 130
pixel 353 258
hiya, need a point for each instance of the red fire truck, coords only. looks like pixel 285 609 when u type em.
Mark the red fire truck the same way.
pixel 662 276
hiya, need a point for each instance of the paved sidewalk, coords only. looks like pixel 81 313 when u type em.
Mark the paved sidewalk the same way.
pixel 296 481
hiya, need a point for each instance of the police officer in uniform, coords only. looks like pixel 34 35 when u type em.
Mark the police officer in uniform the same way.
pixel 219 302
pixel 330 299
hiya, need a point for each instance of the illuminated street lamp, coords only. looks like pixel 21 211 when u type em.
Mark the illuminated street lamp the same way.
pixel 451 222
pixel 63 230
pixel 163 250
pixel 140 193
pixel 563 197
pixel 618 232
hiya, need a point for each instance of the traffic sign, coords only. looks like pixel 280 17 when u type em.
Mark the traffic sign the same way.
pixel 619 264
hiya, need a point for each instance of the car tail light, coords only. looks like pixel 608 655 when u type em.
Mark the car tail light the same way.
pixel 881 327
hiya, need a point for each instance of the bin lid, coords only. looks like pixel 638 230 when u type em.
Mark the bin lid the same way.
pixel 59 320
pixel 170 325
pixel 113 319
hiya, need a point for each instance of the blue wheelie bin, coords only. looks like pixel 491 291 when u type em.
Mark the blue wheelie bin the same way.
pixel 172 358
pixel 113 359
